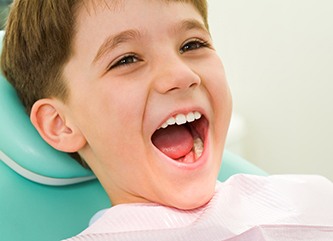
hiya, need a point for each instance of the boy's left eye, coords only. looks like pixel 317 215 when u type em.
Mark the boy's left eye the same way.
pixel 193 45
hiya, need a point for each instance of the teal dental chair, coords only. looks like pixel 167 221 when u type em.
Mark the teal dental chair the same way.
pixel 44 194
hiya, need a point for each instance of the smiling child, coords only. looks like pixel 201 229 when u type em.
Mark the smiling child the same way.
pixel 135 89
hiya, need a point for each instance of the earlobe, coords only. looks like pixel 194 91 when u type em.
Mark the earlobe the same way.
pixel 49 118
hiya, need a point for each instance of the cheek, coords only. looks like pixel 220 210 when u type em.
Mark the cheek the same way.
pixel 213 76
pixel 220 97
pixel 112 119
pixel 222 104
pixel 112 107
pixel 217 85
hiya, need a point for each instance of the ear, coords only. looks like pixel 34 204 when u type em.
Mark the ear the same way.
pixel 49 118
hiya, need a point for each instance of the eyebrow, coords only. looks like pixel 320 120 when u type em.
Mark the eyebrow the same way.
pixel 113 41
pixel 190 24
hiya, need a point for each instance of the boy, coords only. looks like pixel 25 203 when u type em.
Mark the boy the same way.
pixel 135 90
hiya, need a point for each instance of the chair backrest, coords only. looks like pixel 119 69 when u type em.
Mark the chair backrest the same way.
pixel 45 194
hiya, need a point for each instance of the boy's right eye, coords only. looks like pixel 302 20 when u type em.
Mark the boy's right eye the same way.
pixel 124 61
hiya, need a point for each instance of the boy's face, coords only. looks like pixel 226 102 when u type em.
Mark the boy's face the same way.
pixel 135 65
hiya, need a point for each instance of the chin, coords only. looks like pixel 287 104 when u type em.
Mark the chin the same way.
pixel 193 200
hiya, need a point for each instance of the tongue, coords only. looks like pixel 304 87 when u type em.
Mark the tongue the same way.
pixel 174 141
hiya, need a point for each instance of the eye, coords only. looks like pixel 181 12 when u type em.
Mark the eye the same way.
pixel 193 45
pixel 125 60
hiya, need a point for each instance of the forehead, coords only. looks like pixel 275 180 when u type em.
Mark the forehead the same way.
pixel 91 5
pixel 92 8
pixel 106 17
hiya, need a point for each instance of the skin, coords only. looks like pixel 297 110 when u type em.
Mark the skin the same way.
pixel 117 100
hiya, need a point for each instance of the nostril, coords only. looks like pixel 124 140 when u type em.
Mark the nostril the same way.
pixel 174 88
pixel 193 85
pixel 179 88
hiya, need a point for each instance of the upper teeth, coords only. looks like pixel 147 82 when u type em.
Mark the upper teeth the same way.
pixel 182 119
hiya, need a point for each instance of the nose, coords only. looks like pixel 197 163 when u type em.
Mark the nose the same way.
pixel 175 75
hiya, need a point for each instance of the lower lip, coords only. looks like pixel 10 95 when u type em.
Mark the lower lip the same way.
pixel 198 164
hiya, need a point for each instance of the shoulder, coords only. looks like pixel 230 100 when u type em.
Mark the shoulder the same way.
pixel 284 182
pixel 293 187
pixel 308 197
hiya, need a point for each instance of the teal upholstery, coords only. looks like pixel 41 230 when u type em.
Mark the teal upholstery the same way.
pixel 35 212
pixel 44 194
pixel 233 164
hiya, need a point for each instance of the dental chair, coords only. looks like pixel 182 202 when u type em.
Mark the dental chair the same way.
pixel 45 195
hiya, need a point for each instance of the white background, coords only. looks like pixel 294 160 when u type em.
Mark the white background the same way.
pixel 278 56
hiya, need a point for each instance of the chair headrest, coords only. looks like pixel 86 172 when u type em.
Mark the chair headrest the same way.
pixel 24 151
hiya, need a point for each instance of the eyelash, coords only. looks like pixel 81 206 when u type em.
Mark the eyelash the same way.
pixel 195 44
pixel 124 61
pixel 191 45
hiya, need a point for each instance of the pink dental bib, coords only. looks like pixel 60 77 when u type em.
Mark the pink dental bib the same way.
pixel 246 207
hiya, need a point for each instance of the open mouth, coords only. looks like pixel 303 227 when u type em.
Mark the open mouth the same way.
pixel 182 137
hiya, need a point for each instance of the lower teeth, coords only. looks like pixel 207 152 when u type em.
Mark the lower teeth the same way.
pixel 198 147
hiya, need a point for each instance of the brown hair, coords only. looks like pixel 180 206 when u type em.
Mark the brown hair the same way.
pixel 37 45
